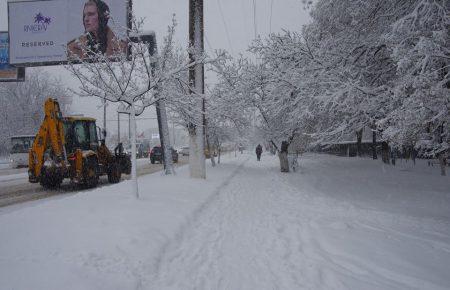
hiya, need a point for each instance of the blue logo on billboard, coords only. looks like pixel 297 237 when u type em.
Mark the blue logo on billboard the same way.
pixel 4 64
pixel 40 24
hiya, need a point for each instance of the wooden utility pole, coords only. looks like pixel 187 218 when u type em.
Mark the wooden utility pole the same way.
pixel 196 80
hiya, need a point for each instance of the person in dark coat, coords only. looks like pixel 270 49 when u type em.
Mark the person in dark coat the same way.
pixel 119 149
pixel 258 152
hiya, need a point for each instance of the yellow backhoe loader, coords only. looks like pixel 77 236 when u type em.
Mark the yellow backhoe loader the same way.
pixel 68 147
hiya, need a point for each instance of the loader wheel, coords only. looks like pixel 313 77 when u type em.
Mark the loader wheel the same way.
pixel 90 173
pixel 50 181
pixel 114 173
pixel 124 163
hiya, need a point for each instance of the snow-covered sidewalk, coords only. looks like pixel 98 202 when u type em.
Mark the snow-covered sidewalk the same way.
pixel 337 223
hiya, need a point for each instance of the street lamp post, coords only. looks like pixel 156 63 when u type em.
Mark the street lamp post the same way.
pixel 149 38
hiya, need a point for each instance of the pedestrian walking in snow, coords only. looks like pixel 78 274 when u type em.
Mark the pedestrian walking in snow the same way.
pixel 241 148
pixel 258 152
pixel 413 155
pixel 393 156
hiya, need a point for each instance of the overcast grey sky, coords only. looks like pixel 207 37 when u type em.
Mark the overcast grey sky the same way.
pixel 229 24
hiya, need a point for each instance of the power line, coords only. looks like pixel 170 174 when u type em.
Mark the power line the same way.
pixel 254 18
pixel 270 21
pixel 209 44
pixel 225 25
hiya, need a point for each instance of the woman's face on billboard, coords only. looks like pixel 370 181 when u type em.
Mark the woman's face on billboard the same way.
pixel 90 18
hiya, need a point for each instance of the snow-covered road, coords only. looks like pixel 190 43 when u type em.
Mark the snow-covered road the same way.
pixel 15 188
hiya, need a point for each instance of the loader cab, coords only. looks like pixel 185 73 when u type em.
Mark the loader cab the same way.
pixel 80 133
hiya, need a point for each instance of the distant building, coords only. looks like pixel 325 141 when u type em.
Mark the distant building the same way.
pixel 349 148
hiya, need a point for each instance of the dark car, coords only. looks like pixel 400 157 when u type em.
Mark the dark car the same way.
pixel 156 155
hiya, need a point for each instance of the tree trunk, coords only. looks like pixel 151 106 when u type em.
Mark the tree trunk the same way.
pixel 443 163
pixel 358 142
pixel 284 162
pixel 133 152
pixel 374 143
pixel 217 144
pixel 393 155
pixel 211 154
pixel 385 152
pixel 167 154
pixel 442 155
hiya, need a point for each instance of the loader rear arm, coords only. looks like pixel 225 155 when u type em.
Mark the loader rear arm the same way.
pixel 50 136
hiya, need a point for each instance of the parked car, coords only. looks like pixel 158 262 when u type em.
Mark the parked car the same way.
pixel 156 155
pixel 184 151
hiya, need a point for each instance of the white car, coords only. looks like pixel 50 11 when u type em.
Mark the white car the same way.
pixel 20 145
pixel 184 151
pixel 18 160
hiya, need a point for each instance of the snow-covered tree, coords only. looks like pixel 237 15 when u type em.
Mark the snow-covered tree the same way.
pixel 138 79
pixel 381 65
pixel 248 89
pixel 21 104
pixel 128 78
pixel 420 44
pixel 227 116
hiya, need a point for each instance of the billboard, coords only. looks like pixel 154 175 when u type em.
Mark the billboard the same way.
pixel 8 73
pixel 45 32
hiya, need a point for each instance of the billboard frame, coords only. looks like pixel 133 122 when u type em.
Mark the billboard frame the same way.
pixel 20 70
pixel 129 10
